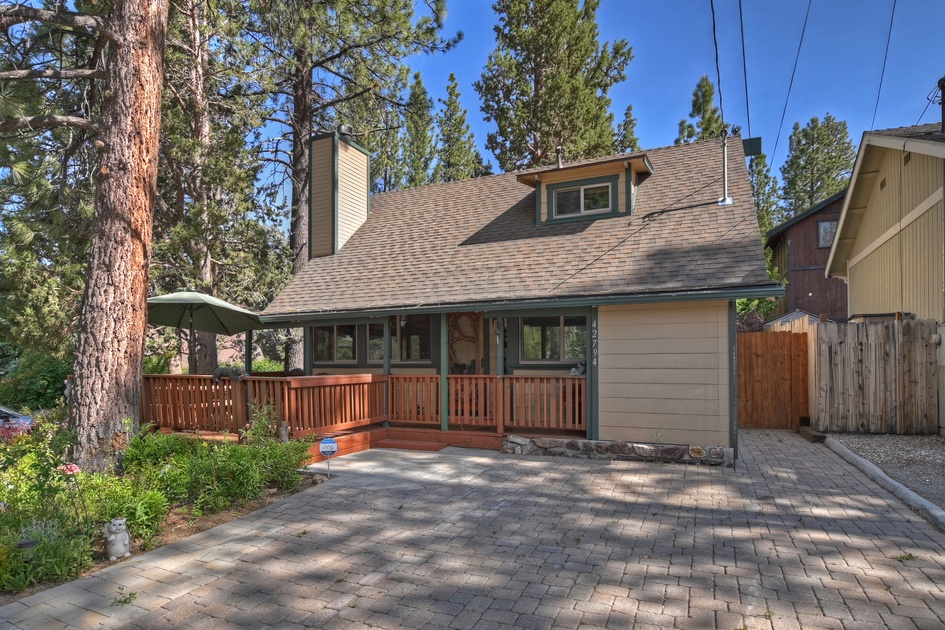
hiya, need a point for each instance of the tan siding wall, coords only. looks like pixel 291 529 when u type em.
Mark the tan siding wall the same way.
pixel 664 373
pixel 904 273
pixel 352 191
pixel 320 225
pixel 553 179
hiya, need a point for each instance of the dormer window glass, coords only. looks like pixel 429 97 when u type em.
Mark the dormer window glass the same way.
pixel 582 200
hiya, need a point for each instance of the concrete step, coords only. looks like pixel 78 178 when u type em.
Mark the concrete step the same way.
pixel 411 445
pixel 812 436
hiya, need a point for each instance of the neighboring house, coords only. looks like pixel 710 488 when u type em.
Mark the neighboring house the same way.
pixel 800 248
pixel 628 263
pixel 889 245
pixel 797 318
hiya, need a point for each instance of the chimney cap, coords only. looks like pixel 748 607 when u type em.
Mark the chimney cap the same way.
pixel 345 130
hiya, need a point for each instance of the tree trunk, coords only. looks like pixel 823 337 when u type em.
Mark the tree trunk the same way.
pixel 104 407
pixel 302 108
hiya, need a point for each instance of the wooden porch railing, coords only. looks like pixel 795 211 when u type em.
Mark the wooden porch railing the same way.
pixel 307 404
pixel 508 402
pixel 323 404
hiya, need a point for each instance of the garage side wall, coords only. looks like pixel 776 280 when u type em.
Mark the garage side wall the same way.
pixel 664 373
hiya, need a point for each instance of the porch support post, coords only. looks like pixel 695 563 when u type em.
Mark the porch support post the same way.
pixel 248 353
pixel 308 338
pixel 444 370
pixel 387 359
pixel 593 369
pixel 733 376
pixel 500 368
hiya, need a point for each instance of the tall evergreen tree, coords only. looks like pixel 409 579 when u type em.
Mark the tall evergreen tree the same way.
pixel 320 56
pixel 764 187
pixel 707 119
pixel 127 56
pixel 819 162
pixel 418 148
pixel 546 83
pixel 625 140
pixel 457 155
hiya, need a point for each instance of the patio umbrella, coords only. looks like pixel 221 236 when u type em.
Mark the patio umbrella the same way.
pixel 198 311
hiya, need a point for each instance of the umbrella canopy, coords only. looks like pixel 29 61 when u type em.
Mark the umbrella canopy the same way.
pixel 199 311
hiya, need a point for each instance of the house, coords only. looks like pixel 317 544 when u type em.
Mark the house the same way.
pixel 620 271
pixel 889 244
pixel 800 247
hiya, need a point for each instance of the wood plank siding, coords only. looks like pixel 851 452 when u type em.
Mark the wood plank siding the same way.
pixel 664 373
pixel 322 212
pixel 352 191
pixel 895 266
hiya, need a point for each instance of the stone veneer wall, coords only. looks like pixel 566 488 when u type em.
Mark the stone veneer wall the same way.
pixel 615 449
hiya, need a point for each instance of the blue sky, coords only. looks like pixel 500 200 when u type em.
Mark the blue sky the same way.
pixel 838 72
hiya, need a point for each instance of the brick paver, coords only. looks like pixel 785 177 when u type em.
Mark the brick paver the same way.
pixel 794 537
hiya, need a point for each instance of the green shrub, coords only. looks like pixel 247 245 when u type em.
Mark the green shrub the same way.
pixel 35 382
pixel 61 553
pixel 109 497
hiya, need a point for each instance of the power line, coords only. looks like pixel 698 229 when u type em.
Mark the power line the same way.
pixel 791 85
pixel 882 74
pixel 741 24
pixel 718 69
pixel 934 97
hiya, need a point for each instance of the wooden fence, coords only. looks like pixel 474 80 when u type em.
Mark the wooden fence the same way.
pixel 877 377
pixel 772 380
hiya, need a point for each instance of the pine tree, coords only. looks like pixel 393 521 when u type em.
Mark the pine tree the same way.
pixel 706 116
pixel 764 187
pixel 546 83
pixel 418 148
pixel 625 140
pixel 457 155
pixel 820 160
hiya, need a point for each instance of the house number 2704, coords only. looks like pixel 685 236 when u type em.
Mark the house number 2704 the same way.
pixel 594 342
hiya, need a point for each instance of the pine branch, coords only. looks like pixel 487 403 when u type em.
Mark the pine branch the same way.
pixel 46 122
pixel 63 75
pixel 19 14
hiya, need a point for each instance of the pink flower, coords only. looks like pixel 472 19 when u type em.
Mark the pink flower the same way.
pixel 68 469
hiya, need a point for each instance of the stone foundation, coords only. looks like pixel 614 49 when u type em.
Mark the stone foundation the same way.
pixel 601 449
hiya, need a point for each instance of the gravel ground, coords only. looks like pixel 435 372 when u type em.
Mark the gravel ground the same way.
pixel 915 461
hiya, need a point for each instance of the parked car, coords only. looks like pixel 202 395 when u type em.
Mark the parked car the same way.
pixel 13 418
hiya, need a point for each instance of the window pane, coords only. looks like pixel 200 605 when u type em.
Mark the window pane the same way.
pixel 323 344
pixel 567 202
pixel 826 232
pixel 375 342
pixel 597 198
pixel 541 338
pixel 575 338
pixel 415 340
pixel 344 342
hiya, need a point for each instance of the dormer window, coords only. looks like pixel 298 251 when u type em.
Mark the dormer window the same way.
pixel 574 199
pixel 582 200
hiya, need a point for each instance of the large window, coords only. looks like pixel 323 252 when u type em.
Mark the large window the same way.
pixel 336 343
pixel 411 338
pixel 553 339
pixel 582 200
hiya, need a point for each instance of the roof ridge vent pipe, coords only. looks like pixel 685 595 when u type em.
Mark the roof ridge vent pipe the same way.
pixel 559 150
pixel 345 130
pixel 725 200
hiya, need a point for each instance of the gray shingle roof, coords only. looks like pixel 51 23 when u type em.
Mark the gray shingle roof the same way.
pixel 932 132
pixel 476 241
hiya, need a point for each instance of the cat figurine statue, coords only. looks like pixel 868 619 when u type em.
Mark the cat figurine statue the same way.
pixel 118 539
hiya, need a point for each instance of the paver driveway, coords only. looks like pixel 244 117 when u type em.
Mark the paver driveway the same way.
pixel 792 538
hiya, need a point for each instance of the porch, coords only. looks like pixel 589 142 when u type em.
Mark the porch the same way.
pixel 368 410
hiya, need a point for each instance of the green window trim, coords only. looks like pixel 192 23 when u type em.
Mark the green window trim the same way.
pixel 581 185
pixel 326 339
pixel 559 340
pixel 398 330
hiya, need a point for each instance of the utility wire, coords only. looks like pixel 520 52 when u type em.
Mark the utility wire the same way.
pixel 718 70
pixel 741 23
pixel 882 74
pixel 933 96
pixel 791 85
